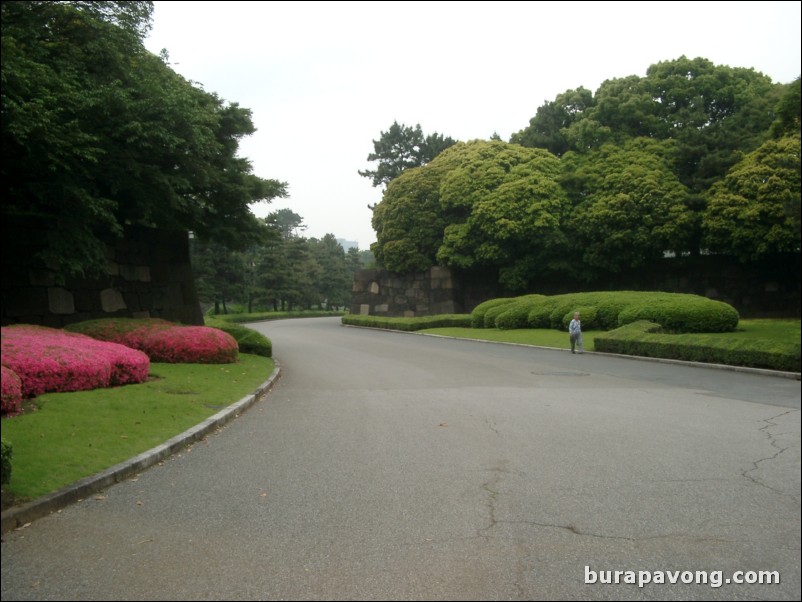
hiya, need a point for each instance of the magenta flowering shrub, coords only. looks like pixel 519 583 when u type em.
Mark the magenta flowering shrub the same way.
pixel 125 331
pixel 11 392
pixel 191 344
pixel 165 341
pixel 47 359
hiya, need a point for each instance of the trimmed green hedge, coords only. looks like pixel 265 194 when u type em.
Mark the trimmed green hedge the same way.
pixel 249 340
pixel 265 316
pixel 515 314
pixel 6 454
pixel 479 312
pixel 608 310
pixel 648 339
pixel 409 324
pixel 683 313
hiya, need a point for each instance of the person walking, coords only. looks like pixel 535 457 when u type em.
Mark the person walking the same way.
pixel 575 333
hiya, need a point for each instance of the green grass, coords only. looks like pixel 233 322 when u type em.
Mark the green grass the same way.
pixel 783 331
pixel 264 316
pixel 70 436
pixel 541 337
pixel 778 330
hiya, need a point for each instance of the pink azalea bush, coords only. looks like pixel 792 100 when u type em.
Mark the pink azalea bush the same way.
pixel 11 392
pixel 47 359
pixel 165 341
pixel 191 344
pixel 130 332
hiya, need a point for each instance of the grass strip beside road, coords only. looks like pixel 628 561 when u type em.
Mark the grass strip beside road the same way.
pixel 757 333
pixel 65 437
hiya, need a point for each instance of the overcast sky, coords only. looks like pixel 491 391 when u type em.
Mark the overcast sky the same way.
pixel 325 79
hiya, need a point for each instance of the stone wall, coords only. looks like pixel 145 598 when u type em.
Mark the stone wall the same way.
pixel 148 274
pixel 382 293
pixel 768 288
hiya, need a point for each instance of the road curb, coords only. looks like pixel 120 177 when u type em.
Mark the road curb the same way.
pixel 746 369
pixel 19 516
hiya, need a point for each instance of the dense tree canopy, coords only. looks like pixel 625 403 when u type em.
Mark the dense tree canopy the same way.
pixel 713 112
pixel 549 127
pixel 98 133
pixel 282 271
pixel 409 221
pixel 478 205
pixel 690 158
pixel 629 206
pixel 504 209
pixel 754 211
pixel 789 111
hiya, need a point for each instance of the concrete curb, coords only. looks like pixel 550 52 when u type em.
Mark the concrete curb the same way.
pixel 660 360
pixel 19 516
pixel 763 371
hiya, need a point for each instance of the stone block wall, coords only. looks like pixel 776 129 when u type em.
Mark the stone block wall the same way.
pixel 381 293
pixel 148 274
pixel 766 289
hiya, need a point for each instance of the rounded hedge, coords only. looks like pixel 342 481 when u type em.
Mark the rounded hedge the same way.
pixel 683 313
pixel 606 310
pixel 478 313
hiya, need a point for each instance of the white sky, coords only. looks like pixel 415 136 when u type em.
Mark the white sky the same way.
pixel 324 79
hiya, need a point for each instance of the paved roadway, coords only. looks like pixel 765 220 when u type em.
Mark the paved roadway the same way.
pixel 394 466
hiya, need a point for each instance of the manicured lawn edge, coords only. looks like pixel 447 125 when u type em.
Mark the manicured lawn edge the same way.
pixel 19 516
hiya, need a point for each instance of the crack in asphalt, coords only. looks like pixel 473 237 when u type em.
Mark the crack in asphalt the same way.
pixel 492 426
pixel 492 494
pixel 776 445
pixel 576 531
pixel 493 521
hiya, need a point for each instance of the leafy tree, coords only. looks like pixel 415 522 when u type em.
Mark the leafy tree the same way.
pixel 548 128
pixel 716 113
pixel 789 111
pixel 478 206
pixel 306 272
pixel 713 112
pixel 504 209
pixel 219 273
pixel 288 223
pixel 754 211
pixel 402 147
pixel 409 221
pixel 98 133
pixel 629 206
pixel 335 280
pixel 353 259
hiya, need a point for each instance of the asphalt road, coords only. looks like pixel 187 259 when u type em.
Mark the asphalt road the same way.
pixel 392 466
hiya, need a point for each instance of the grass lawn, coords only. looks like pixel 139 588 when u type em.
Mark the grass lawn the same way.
pixel 784 331
pixel 542 337
pixel 63 437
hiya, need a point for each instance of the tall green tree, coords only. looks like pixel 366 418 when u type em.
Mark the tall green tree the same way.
pixel 409 221
pixel 548 128
pixel 788 111
pixel 482 206
pixel 220 274
pixel 288 223
pixel 629 207
pixel 504 209
pixel 98 133
pixel 754 211
pixel 714 113
pixel 403 147
pixel 335 280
